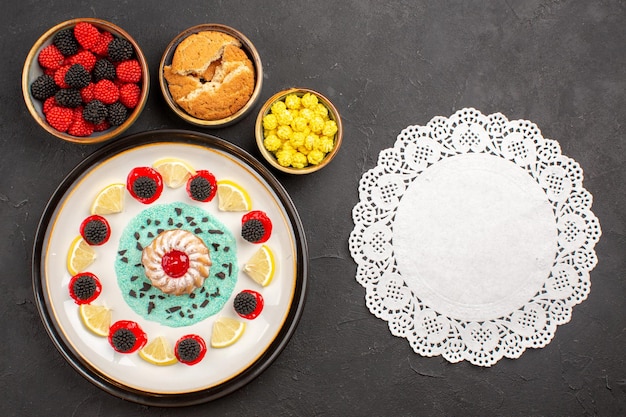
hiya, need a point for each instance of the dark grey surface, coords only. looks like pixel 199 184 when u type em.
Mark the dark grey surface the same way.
pixel 385 65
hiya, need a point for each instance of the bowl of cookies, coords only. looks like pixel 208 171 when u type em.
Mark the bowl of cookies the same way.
pixel 85 80
pixel 298 131
pixel 211 75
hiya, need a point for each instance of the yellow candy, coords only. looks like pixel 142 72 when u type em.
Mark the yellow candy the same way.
pixel 321 110
pixel 330 128
pixel 309 100
pixel 325 144
pixel 297 139
pixel 284 117
pixel 272 143
pixel 306 114
pixel 278 107
pixel 315 157
pixel 270 122
pixel 284 132
pixel 299 160
pixel 292 101
pixel 304 150
pixel 309 141
pixel 299 124
pixel 284 158
pixel 316 124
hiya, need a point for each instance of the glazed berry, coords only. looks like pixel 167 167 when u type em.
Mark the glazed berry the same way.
pixel 248 304
pixel 129 71
pixel 144 184
pixel 85 287
pixel 190 349
pixel 95 230
pixel 68 97
pixel 256 227
pixel 43 87
pixel 126 336
pixel 65 41
pixel 77 76
pixel 103 70
pixel 95 112
pixel 120 49
pixel 202 186
pixel 86 34
pixel 117 114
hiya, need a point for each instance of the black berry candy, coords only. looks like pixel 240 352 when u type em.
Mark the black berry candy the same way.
pixel 120 49
pixel 43 87
pixel 190 349
pixel 84 287
pixel 256 227
pixel 202 186
pixel 248 304
pixel 65 42
pixel 126 336
pixel 95 230
pixel 77 77
pixel 144 184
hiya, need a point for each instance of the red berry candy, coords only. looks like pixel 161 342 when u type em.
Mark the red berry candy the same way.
pixel 87 93
pixel 84 287
pixel 84 58
pixel 190 349
pixel 86 34
pixel 101 47
pixel 126 336
pixel 106 91
pixel 80 127
pixel 50 57
pixel 144 184
pixel 60 118
pixel 129 71
pixel 129 95
pixel 59 76
pixel 48 104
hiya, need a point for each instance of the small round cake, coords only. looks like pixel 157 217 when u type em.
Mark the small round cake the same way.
pixel 176 262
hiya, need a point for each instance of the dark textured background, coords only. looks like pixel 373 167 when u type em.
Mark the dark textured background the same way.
pixel 386 65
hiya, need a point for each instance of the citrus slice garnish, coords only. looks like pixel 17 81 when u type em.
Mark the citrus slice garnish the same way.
pixel 226 331
pixel 175 172
pixel 158 352
pixel 261 266
pixel 232 197
pixel 109 200
pixel 95 318
pixel 79 256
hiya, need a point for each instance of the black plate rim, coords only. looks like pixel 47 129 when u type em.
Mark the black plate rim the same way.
pixel 195 397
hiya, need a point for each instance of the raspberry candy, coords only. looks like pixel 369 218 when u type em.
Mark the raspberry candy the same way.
pixel 86 34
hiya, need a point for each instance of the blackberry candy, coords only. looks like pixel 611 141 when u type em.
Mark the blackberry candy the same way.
pixel 190 349
pixel 126 336
pixel 117 114
pixel 84 287
pixel 145 184
pixel 103 70
pixel 65 42
pixel 256 227
pixel 95 112
pixel 202 186
pixel 120 49
pixel 68 97
pixel 43 87
pixel 77 76
pixel 248 304
pixel 95 230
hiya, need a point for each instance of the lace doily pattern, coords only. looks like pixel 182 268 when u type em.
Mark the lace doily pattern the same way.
pixel 381 189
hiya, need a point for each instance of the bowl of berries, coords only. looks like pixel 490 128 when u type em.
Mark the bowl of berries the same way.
pixel 85 80
pixel 298 131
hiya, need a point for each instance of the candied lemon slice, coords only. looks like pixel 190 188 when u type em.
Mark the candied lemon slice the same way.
pixel 110 200
pixel 158 352
pixel 232 197
pixel 79 256
pixel 95 318
pixel 175 172
pixel 261 266
pixel 226 331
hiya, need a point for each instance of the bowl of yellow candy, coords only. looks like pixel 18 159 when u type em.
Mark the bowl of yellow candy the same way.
pixel 298 131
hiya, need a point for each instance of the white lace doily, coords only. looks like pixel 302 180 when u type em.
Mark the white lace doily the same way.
pixel 474 237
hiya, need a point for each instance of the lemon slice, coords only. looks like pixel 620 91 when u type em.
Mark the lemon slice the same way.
pixel 175 172
pixel 96 318
pixel 109 200
pixel 158 352
pixel 232 197
pixel 226 331
pixel 79 256
pixel 261 266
